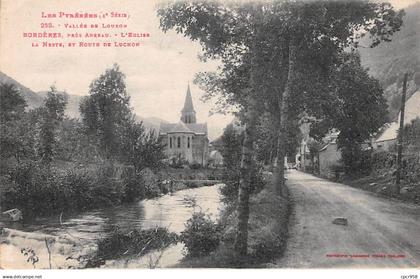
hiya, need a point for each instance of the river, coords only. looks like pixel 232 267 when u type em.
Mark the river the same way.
pixel 77 234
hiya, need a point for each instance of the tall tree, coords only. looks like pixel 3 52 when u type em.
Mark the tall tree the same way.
pixel 141 148
pixel 52 114
pixel 12 104
pixel 356 108
pixel 106 110
pixel 12 110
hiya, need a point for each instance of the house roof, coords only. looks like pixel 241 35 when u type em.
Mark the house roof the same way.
pixel 389 133
pixel 412 111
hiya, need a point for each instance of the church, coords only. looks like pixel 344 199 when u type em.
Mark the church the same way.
pixel 186 139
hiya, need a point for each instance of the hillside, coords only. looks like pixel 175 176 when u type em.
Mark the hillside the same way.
pixel 390 60
pixel 36 99
pixel 33 99
pixel 73 101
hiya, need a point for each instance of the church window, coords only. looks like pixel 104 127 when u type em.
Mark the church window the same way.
pixel 170 142
pixel 188 144
pixel 179 142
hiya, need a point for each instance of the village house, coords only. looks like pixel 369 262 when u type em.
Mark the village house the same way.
pixel 187 139
pixel 388 137
pixel 327 159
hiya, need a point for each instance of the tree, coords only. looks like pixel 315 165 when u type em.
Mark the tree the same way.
pixel 106 110
pixel 231 147
pixel 141 149
pixel 12 115
pixel 314 147
pixel 12 104
pixel 52 114
pixel 357 109
pixel 231 140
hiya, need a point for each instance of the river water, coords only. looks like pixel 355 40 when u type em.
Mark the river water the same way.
pixel 77 234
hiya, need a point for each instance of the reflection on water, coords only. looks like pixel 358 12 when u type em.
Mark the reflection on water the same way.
pixel 171 211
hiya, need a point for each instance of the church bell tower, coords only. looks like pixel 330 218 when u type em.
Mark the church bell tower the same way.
pixel 188 112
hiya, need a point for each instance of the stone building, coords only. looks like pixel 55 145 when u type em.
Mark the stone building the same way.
pixel 186 139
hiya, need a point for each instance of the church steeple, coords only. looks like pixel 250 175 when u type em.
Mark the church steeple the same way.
pixel 188 112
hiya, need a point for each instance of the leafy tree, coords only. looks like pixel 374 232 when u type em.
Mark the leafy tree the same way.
pixel 52 114
pixel 231 149
pixel 12 111
pixel 141 149
pixel 357 108
pixel 106 110
pixel 12 104
pixel 411 139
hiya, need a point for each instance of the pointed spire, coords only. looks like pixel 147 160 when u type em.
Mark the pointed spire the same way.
pixel 188 112
pixel 188 104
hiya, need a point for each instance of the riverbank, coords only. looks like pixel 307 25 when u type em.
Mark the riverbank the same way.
pixel 69 187
pixel 267 233
pixel 79 234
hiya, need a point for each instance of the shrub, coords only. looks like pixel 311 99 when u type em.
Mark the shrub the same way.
pixel 201 235
pixel 38 190
pixel 195 166
pixel 229 191
pixel 149 182
pixel 118 243
pixel 356 161
pixel 133 185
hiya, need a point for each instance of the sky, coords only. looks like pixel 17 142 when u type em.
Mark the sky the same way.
pixel 157 73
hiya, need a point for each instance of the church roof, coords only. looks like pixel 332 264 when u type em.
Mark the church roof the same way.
pixel 196 128
pixel 188 104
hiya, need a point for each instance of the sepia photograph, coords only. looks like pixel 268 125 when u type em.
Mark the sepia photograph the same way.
pixel 275 136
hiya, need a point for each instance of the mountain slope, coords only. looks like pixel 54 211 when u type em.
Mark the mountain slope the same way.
pixel 390 60
pixel 34 100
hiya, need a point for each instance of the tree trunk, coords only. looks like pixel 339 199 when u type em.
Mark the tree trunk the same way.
pixel 251 119
pixel 283 103
pixel 241 241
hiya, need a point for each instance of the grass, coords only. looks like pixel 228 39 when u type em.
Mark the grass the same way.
pixel 382 185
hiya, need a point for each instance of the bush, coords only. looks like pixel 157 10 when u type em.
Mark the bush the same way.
pixel 229 191
pixel 356 161
pixel 38 190
pixel 118 244
pixel 195 166
pixel 149 182
pixel 133 185
pixel 201 235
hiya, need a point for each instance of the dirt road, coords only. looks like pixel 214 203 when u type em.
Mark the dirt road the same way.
pixel 380 232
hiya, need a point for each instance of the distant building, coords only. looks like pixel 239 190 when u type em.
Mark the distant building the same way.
pixel 389 135
pixel 303 156
pixel 186 139
pixel 328 158
pixel 216 158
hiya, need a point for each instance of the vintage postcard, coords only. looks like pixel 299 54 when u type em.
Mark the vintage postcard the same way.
pixel 209 134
